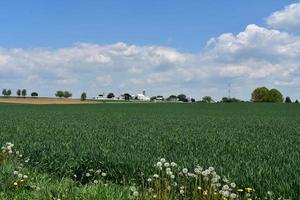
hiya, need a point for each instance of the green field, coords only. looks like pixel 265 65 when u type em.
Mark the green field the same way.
pixel 254 145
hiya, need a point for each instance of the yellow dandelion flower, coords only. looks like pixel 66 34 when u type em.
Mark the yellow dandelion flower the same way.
pixel 22 180
pixel 205 193
pixel 15 184
pixel 215 193
pixel 199 188
pixel 240 190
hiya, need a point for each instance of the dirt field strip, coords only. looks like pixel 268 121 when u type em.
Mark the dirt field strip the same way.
pixel 43 100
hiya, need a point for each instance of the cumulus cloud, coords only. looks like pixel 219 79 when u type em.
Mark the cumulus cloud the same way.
pixel 287 19
pixel 255 56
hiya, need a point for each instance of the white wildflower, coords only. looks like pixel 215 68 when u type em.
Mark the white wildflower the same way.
pixel 135 193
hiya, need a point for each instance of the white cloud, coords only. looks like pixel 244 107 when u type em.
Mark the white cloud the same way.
pixel 287 19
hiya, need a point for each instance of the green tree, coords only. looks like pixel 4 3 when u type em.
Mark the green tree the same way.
pixel 34 94
pixel 67 94
pixel 127 96
pixel 288 100
pixel 110 95
pixel 83 96
pixel 275 96
pixel 260 94
pixel 182 97
pixel 8 92
pixel 4 92
pixel 207 99
pixel 18 92
pixel 24 92
pixel 59 94
pixel 296 101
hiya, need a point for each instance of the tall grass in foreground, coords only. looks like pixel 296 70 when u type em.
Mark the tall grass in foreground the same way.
pixel 170 182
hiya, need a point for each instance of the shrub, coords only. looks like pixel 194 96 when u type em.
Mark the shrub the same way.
pixel 34 94
pixel 288 100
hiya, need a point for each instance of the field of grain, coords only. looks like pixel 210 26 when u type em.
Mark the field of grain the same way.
pixel 254 145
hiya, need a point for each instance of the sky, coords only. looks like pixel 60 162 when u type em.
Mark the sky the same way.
pixel 165 47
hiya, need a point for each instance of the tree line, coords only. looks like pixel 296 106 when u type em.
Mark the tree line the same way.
pixel 19 93
pixel 260 94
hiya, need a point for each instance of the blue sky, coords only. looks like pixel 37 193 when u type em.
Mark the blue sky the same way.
pixel 184 25
pixel 170 37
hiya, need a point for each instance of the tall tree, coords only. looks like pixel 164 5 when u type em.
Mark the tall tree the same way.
pixel 24 92
pixel 4 92
pixel 8 92
pixel 18 92
pixel 83 96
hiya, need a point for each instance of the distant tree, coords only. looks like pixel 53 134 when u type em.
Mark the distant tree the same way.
pixel 8 92
pixel 275 96
pixel 207 99
pixel 34 94
pixel 110 95
pixel 59 94
pixel 260 94
pixel 153 98
pixel 18 92
pixel 172 98
pixel 296 101
pixel 127 96
pixel 67 94
pixel 230 100
pixel 4 92
pixel 83 96
pixel 182 97
pixel 24 92
pixel 193 100
pixel 288 100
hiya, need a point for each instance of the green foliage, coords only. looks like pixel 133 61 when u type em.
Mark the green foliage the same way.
pixel 83 96
pixel 296 101
pixel 275 96
pixel 240 140
pixel 67 94
pixel 24 92
pixel 4 92
pixel 8 92
pixel 59 94
pixel 110 95
pixel 263 94
pixel 34 94
pixel 288 100
pixel 230 100
pixel 182 97
pixel 172 98
pixel 207 99
pixel 260 94
pixel 19 92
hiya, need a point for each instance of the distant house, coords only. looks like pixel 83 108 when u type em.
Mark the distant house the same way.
pixel 157 98
pixel 142 97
